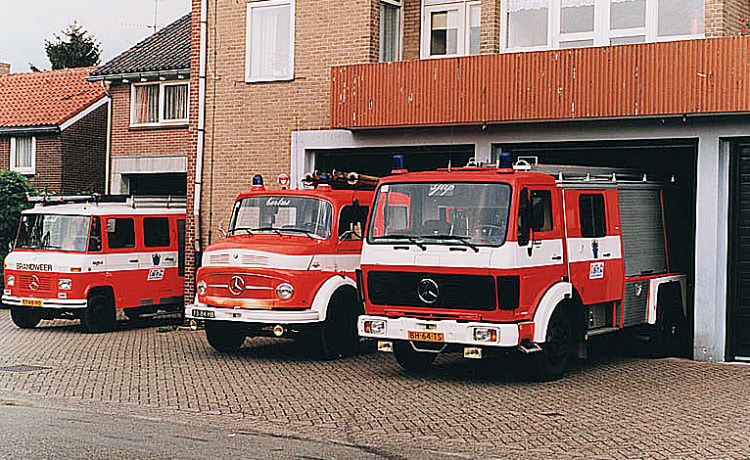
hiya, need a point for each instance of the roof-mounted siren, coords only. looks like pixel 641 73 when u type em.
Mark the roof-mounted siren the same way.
pixel 284 181
pixel 399 164
pixel 324 182
pixel 505 163
pixel 258 183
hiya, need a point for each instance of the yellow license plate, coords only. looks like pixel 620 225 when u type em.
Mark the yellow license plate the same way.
pixel 422 336
pixel 31 302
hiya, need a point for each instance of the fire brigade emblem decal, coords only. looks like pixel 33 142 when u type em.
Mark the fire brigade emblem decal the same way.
pixel 236 285
pixel 34 283
pixel 428 291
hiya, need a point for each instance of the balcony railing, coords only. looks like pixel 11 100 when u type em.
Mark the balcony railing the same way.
pixel 677 78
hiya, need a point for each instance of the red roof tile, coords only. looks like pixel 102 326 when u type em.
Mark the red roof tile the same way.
pixel 46 98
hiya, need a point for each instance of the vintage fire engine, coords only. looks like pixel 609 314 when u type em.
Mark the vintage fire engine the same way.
pixel 87 257
pixel 286 267
pixel 528 258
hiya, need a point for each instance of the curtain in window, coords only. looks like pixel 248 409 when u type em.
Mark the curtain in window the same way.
pixel 175 102
pixel 576 3
pixel 527 23
pixel 270 44
pixel 24 147
pixel 147 104
pixel 520 5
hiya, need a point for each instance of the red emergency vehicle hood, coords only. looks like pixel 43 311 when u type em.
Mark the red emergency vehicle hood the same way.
pixel 294 252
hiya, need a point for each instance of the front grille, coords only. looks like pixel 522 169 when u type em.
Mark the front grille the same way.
pixel 44 283
pixel 254 286
pixel 461 292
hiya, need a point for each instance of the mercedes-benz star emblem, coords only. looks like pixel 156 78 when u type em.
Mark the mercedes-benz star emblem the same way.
pixel 34 283
pixel 428 291
pixel 236 285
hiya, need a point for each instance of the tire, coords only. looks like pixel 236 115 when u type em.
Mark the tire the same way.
pixel 339 334
pixel 550 363
pixel 225 337
pixel 24 317
pixel 412 360
pixel 100 315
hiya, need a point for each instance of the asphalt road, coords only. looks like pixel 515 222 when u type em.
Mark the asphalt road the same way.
pixel 28 432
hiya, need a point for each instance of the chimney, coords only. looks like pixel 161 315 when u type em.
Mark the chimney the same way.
pixel 4 68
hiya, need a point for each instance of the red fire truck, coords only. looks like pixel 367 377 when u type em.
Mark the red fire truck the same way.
pixel 286 267
pixel 86 257
pixel 528 258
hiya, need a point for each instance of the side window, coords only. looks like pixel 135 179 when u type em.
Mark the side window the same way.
pixel 95 236
pixel 541 204
pixel 120 233
pixel 593 218
pixel 352 221
pixel 156 232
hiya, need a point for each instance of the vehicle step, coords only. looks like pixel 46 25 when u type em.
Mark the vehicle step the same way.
pixel 600 331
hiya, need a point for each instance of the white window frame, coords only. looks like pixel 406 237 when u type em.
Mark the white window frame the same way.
pixel 464 27
pixel 31 170
pixel 162 121
pixel 400 5
pixel 248 34
pixel 601 35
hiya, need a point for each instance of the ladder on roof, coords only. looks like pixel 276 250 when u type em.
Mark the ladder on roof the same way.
pixel 586 174
pixel 134 201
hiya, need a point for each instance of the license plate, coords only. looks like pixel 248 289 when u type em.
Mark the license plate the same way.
pixel 422 336
pixel 31 302
pixel 203 314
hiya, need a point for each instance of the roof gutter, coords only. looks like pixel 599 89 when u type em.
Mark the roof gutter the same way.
pixel 172 74
pixel 201 124
pixel 29 130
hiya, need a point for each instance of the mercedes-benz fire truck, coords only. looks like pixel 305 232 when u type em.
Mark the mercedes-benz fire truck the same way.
pixel 286 267
pixel 528 258
pixel 87 257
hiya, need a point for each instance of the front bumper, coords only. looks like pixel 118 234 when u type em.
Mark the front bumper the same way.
pixel 201 311
pixel 57 304
pixel 508 335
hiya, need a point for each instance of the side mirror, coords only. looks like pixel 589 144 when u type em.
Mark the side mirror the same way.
pixel 222 231
pixel 524 218
pixel 10 246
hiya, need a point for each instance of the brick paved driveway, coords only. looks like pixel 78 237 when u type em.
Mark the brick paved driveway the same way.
pixel 609 407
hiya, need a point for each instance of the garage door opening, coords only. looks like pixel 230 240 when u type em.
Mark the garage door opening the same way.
pixel 660 160
pixel 738 321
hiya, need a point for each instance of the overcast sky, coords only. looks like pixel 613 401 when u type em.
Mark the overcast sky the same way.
pixel 118 25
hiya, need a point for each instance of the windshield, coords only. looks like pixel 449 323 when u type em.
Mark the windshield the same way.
pixel 282 214
pixel 437 213
pixel 55 232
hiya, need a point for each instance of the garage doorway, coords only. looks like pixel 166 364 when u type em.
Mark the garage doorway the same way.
pixel 165 184
pixel 738 321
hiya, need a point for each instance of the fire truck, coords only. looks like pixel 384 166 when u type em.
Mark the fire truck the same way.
pixel 529 258
pixel 286 267
pixel 86 257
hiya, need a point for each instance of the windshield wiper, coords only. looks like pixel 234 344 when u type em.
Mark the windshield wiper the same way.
pixel 267 229
pixel 298 230
pixel 460 239
pixel 411 239
pixel 247 230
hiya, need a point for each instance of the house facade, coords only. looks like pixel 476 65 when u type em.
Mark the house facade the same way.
pixel 52 130
pixel 148 139
pixel 655 85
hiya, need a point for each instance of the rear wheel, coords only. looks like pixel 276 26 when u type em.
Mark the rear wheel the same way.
pixel 550 363
pixel 339 333
pixel 100 315
pixel 225 337
pixel 25 318
pixel 412 360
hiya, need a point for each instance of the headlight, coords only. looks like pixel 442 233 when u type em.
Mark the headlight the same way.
pixel 376 327
pixel 11 280
pixel 485 334
pixel 285 291
pixel 202 287
pixel 64 285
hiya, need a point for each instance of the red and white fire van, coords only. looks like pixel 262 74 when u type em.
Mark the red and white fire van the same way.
pixel 286 267
pixel 85 258
pixel 535 259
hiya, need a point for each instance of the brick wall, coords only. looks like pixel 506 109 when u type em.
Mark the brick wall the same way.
pixel 191 233
pixel 83 150
pixel 127 141
pixel 723 16
pixel 48 162
pixel 412 29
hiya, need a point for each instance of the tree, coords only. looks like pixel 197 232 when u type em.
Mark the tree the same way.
pixel 13 190
pixel 78 48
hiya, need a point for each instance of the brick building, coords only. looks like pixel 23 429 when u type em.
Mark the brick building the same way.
pixel 148 134
pixel 52 129
pixel 659 85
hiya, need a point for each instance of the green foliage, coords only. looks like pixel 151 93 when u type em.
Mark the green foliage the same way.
pixel 77 48
pixel 13 190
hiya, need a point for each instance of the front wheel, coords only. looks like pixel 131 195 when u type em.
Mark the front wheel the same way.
pixel 412 360
pixel 25 318
pixel 225 337
pixel 339 334
pixel 550 363
pixel 100 315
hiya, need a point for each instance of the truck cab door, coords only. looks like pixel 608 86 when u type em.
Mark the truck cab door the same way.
pixel 157 262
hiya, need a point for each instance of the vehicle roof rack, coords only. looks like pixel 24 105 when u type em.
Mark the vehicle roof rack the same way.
pixel 592 174
pixel 133 201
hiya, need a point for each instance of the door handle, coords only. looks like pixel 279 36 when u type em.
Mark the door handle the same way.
pixel 556 257
pixel 133 261
pixel 169 259
pixel 607 254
